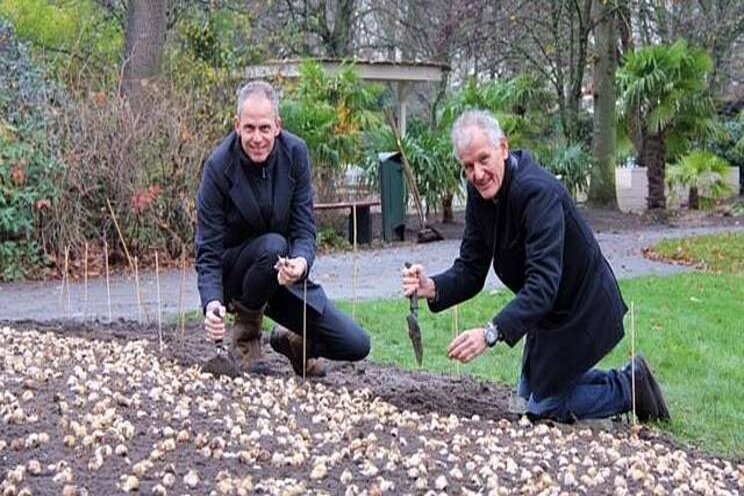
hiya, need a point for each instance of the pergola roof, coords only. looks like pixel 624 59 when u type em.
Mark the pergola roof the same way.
pixel 400 75
pixel 383 71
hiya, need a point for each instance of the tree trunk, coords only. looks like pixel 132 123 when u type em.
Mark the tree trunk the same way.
pixel 145 38
pixel 653 157
pixel 448 215
pixel 340 42
pixel 693 200
pixel 602 186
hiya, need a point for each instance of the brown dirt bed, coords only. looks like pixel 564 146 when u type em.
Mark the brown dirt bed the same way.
pixel 74 395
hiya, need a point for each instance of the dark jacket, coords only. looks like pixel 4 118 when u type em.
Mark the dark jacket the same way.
pixel 228 213
pixel 566 300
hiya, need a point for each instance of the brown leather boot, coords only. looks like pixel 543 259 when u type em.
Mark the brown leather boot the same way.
pixel 246 335
pixel 289 344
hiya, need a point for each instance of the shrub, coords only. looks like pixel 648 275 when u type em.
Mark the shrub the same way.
pixel 703 173
pixel 331 113
pixel 571 164
pixel 29 158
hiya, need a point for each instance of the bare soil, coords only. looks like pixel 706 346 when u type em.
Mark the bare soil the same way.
pixel 96 391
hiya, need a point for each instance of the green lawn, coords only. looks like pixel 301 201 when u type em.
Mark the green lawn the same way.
pixel 723 252
pixel 689 326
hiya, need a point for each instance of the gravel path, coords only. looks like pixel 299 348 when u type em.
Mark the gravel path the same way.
pixel 377 277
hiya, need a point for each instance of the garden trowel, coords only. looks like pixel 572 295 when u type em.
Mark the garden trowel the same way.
pixel 414 331
pixel 223 363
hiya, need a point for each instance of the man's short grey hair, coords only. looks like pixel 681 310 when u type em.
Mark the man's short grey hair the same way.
pixel 480 119
pixel 262 88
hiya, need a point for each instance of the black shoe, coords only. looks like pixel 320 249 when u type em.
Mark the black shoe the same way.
pixel 655 389
pixel 649 402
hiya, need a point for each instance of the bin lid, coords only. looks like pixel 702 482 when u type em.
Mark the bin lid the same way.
pixel 383 156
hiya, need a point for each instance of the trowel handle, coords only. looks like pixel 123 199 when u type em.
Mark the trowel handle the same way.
pixel 413 296
pixel 219 343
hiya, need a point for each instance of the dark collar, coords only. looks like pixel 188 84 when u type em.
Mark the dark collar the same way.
pixel 249 165
pixel 510 166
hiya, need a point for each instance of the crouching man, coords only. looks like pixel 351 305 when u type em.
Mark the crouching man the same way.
pixel 255 244
pixel 567 303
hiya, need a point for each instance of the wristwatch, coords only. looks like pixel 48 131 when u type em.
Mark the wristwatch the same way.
pixel 492 334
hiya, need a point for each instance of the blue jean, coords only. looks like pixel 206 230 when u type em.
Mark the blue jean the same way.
pixel 596 394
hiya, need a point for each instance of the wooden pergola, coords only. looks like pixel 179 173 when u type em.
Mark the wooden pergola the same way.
pixel 401 76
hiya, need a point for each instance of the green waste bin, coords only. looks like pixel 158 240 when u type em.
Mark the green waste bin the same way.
pixel 392 196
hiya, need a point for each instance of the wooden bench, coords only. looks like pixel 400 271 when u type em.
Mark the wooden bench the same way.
pixel 363 218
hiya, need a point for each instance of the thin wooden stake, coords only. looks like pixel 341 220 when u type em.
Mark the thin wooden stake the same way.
pixel 121 237
pixel 67 279
pixel 108 282
pixel 157 284
pixel 64 281
pixel 354 264
pixel 632 360
pixel 137 289
pixel 456 331
pixel 181 314
pixel 304 330
pixel 85 283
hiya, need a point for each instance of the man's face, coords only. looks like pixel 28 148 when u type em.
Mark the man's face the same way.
pixel 257 127
pixel 484 163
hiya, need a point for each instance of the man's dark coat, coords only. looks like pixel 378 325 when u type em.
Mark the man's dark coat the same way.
pixel 567 300
pixel 228 214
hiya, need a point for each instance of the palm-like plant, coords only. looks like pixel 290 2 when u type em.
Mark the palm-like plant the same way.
pixel 518 104
pixel 663 97
pixel 703 173
pixel 331 113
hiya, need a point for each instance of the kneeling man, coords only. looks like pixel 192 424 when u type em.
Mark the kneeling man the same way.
pixel 567 303
pixel 255 243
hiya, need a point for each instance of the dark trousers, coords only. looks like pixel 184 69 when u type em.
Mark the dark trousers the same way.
pixel 250 278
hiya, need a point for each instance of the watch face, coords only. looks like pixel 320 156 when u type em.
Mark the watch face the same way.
pixel 490 336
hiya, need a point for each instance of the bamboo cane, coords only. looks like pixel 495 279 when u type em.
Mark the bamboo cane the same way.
pixel 354 264
pixel 121 237
pixel 456 329
pixel 108 281
pixel 632 359
pixel 85 283
pixel 304 331
pixel 67 278
pixel 181 314
pixel 137 290
pixel 157 285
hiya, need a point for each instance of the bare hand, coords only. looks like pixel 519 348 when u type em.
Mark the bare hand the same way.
pixel 214 321
pixel 415 281
pixel 468 345
pixel 290 270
